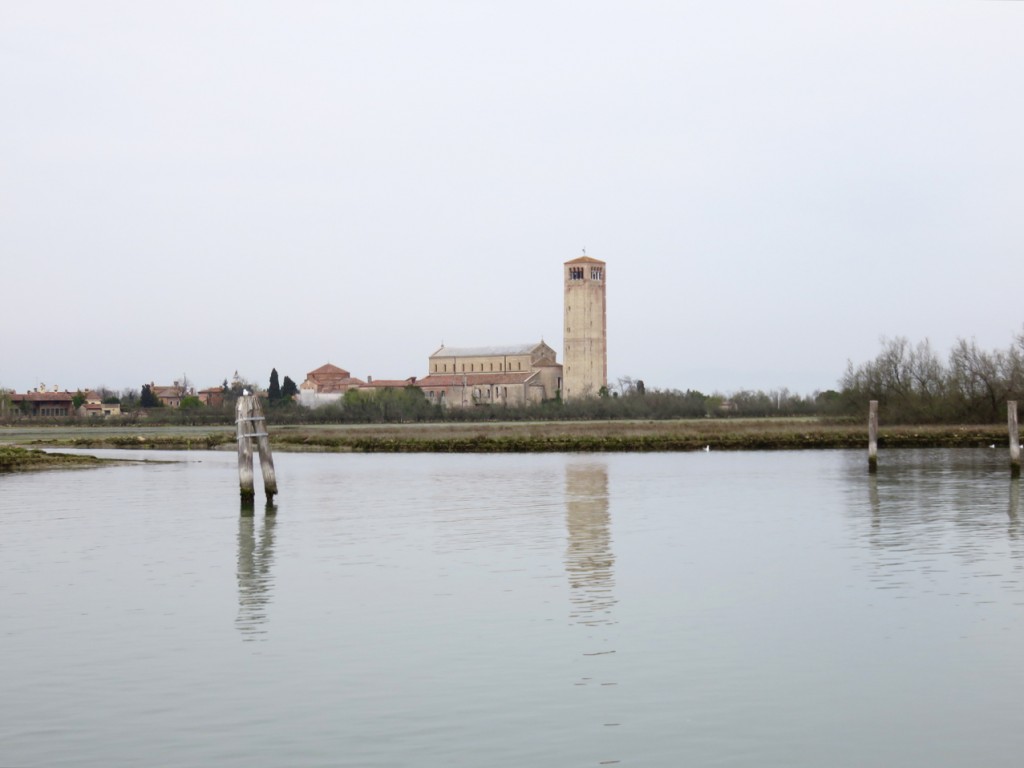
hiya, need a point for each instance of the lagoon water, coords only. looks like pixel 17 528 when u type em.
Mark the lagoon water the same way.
pixel 718 609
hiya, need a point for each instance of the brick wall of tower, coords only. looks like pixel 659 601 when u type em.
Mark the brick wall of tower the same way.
pixel 585 353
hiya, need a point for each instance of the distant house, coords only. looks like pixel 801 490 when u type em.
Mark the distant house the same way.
pixel 94 407
pixel 171 396
pixel 45 403
pixel 212 397
pixel 503 375
pixel 327 384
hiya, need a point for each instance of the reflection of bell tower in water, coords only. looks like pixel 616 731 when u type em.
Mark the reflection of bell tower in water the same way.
pixel 588 557
pixel 585 344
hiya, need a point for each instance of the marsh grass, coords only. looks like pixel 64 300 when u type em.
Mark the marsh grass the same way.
pixel 15 459
pixel 537 437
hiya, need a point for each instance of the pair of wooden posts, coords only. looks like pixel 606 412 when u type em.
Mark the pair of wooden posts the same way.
pixel 251 427
pixel 1011 422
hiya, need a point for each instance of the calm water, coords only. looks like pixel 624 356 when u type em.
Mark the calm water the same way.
pixel 721 609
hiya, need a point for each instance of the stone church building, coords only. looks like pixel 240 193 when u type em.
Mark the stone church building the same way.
pixel 326 384
pixel 502 375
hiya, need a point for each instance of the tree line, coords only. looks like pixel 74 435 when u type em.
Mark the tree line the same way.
pixel 912 383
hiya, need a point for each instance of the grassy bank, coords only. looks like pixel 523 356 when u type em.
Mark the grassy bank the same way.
pixel 523 437
pixel 14 459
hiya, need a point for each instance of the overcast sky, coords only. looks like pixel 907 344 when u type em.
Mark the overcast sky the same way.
pixel 203 187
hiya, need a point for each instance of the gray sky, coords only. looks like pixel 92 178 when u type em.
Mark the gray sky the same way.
pixel 204 187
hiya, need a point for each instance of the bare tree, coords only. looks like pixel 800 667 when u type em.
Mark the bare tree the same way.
pixel 978 377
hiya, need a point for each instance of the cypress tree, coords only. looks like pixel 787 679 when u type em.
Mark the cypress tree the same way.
pixel 147 399
pixel 288 389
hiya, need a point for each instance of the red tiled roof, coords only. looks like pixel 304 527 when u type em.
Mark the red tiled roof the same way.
pixel 42 397
pixel 334 385
pixel 329 369
pixel 584 260
pixel 389 383
pixel 474 379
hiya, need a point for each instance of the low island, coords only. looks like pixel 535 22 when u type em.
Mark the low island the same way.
pixel 523 437
pixel 16 459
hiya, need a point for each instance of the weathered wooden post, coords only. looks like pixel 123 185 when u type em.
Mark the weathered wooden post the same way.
pixel 873 436
pixel 251 425
pixel 242 428
pixel 1011 419
pixel 266 460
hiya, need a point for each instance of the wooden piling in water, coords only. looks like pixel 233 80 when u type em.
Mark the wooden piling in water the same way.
pixel 243 426
pixel 873 436
pixel 266 460
pixel 1011 420
pixel 251 425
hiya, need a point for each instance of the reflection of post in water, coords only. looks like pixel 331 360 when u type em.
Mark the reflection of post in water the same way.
pixel 876 507
pixel 588 556
pixel 1013 529
pixel 255 583
pixel 1011 422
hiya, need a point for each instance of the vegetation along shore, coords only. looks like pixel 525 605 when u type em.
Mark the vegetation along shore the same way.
pixel 521 437
pixel 15 459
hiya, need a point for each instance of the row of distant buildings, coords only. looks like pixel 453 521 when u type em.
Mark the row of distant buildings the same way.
pixel 457 376
pixel 516 374
pixel 54 402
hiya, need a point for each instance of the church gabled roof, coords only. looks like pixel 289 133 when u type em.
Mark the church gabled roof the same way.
pixel 329 370
pixel 507 349
pixel 584 260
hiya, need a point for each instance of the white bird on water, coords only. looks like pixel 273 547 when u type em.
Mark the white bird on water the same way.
pixel 707 448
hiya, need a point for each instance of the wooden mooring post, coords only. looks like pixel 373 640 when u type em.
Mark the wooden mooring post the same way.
pixel 873 436
pixel 1011 421
pixel 252 427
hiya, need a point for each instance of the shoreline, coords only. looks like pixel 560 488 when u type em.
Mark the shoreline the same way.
pixel 521 437
pixel 15 459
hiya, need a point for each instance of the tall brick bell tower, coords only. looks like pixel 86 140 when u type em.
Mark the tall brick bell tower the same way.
pixel 585 356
